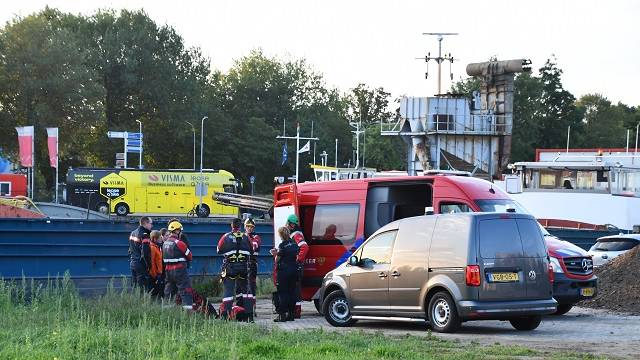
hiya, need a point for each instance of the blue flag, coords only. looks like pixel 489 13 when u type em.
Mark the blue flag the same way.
pixel 284 153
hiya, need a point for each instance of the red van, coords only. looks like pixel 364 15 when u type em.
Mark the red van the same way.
pixel 336 216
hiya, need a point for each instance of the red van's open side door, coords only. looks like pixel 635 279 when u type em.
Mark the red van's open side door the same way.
pixel 285 203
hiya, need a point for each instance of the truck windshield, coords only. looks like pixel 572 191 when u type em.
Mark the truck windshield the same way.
pixel 500 205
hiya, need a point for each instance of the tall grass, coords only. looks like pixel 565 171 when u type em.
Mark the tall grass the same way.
pixel 51 321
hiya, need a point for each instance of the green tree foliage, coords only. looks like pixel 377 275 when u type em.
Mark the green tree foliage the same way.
pixel 45 81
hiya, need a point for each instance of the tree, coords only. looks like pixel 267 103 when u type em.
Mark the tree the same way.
pixel 45 81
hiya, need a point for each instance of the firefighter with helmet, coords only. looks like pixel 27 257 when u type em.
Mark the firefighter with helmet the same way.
pixel 255 241
pixel 296 234
pixel 176 254
pixel 236 248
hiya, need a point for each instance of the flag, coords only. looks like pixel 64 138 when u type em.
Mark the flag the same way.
pixel 25 142
pixel 52 142
pixel 284 153
pixel 305 148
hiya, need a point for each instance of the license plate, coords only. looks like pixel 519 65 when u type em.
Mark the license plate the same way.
pixel 503 277
pixel 587 292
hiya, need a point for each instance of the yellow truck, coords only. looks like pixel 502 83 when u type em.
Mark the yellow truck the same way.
pixel 170 192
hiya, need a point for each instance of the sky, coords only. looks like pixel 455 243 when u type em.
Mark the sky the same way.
pixel 596 43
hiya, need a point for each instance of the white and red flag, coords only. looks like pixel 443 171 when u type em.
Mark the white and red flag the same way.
pixel 25 141
pixel 52 143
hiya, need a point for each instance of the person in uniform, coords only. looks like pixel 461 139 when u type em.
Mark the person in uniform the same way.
pixel 140 254
pixel 236 249
pixel 255 241
pixel 287 275
pixel 293 224
pixel 176 254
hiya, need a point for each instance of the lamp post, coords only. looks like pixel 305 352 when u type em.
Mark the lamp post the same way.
pixel 194 144
pixel 140 158
pixel 201 148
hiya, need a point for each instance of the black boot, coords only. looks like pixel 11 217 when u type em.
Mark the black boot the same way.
pixel 290 316
pixel 282 317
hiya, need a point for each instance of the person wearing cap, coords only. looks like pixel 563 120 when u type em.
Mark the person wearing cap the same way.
pixel 140 254
pixel 236 249
pixel 254 239
pixel 293 224
pixel 176 254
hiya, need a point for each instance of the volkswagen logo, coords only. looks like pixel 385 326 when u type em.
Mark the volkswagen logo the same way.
pixel 586 266
pixel 532 275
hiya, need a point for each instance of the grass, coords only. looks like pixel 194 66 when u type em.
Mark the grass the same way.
pixel 52 322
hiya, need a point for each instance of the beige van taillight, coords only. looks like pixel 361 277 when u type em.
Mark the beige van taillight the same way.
pixel 472 275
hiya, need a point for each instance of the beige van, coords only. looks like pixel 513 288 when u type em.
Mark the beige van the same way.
pixel 445 269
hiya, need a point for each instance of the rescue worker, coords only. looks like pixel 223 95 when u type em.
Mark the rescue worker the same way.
pixel 236 248
pixel 254 240
pixel 156 272
pixel 140 254
pixel 287 275
pixel 293 224
pixel 176 254
pixel 183 236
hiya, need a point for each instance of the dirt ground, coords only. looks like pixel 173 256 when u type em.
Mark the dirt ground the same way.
pixel 618 284
pixel 583 330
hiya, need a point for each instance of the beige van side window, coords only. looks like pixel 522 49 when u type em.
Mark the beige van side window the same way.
pixel 378 249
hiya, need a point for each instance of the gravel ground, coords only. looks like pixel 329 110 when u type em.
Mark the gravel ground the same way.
pixel 583 330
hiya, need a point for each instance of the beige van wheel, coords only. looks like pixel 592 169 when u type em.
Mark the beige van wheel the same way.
pixel 336 310
pixel 442 313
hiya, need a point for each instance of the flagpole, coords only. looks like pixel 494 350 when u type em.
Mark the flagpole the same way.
pixel 33 163
pixel 57 164
pixel 297 150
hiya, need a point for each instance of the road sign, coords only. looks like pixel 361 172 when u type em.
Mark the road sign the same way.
pixel 134 143
pixel 252 179
pixel 119 156
pixel 117 134
pixel 134 136
pixel 113 186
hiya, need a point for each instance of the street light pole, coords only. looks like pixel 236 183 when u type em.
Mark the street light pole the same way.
pixel 201 148
pixel 140 158
pixel 194 144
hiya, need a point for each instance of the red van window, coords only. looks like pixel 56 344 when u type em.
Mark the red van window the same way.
pixel 331 224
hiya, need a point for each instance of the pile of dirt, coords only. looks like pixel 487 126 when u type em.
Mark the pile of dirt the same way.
pixel 619 284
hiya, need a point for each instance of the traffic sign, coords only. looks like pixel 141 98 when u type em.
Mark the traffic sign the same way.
pixel 117 134
pixel 119 156
pixel 135 143
pixel 134 136
pixel 113 186
pixel 252 179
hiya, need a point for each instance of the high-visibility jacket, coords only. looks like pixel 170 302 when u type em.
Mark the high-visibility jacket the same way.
pixel 175 253
pixel 156 260
pixel 298 237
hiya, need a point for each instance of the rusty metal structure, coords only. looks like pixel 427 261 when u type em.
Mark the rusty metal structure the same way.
pixel 453 132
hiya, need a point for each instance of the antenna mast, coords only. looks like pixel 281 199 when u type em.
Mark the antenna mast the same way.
pixel 439 59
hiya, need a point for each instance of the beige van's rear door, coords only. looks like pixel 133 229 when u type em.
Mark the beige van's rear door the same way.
pixel 502 262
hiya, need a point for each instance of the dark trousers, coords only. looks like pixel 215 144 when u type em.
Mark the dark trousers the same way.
pixel 287 294
pixel 236 285
pixel 140 276
pixel 178 281
pixel 298 304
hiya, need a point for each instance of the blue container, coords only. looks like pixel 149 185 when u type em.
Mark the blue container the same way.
pixel 41 248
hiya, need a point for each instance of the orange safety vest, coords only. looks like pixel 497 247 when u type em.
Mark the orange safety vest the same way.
pixel 156 261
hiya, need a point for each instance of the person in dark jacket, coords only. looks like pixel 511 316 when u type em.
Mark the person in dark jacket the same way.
pixel 287 275
pixel 255 240
pixel 140 254
pixel 236 249
pixel 175 255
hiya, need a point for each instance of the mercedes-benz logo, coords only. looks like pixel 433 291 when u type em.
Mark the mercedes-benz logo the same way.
pixel 585 265
pixel 532 275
